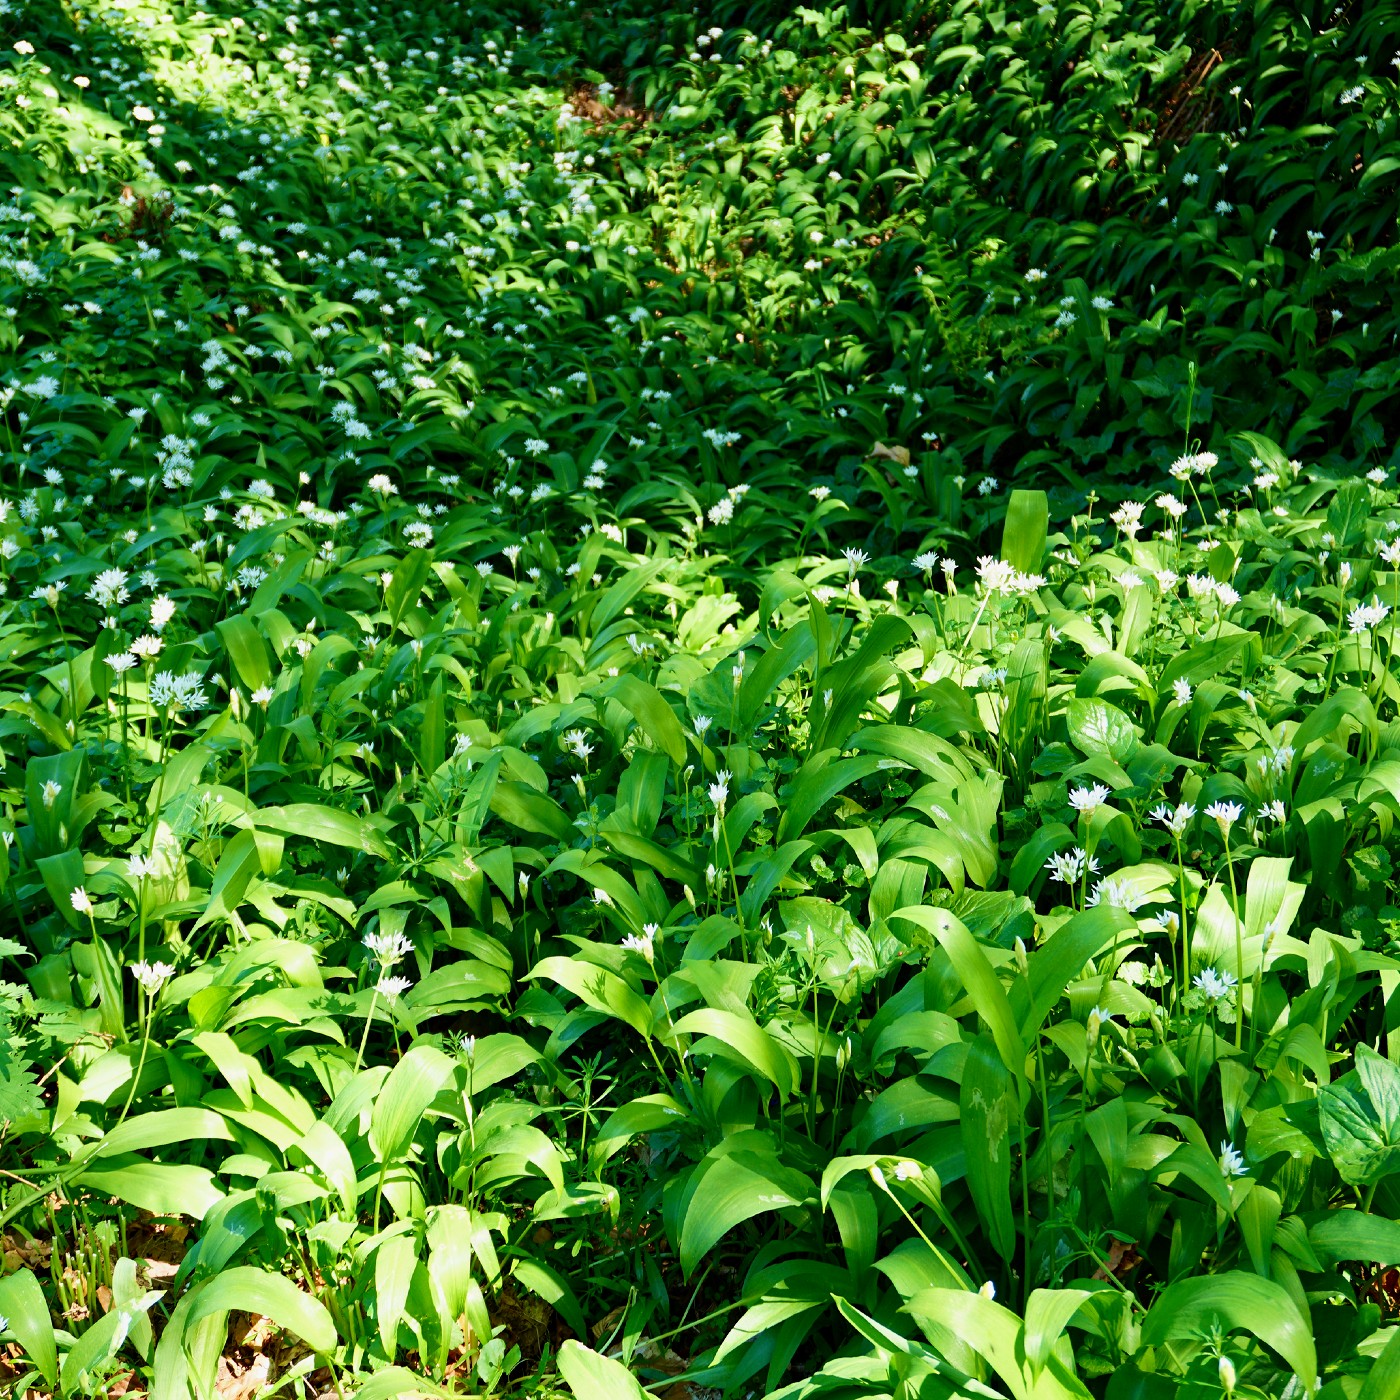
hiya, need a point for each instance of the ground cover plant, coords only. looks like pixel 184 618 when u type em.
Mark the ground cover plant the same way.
pixel 699 702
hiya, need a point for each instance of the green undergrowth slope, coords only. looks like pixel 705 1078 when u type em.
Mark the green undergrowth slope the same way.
pixel 699 703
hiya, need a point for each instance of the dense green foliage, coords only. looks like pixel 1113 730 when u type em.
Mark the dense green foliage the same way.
pixel 724 721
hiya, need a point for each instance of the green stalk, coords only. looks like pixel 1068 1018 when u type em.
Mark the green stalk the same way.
pixel 1239 944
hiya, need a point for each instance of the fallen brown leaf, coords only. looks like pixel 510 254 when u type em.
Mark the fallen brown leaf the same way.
pixel 235 1383
pixel 1122 1260
pixel 254 1333
pixel 899 455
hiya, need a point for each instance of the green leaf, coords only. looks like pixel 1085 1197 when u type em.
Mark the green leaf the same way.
pixel 62 874
pixel 327 824
pixel 1203 661
pixel 742 1035
pixel 160 1129
pixel 1061 958
pixel 1338 1235
pixel 1235 1302
pixel 1027 525
pixel 1383 1379
pixel 22 1301
pixel 251 1290
pixel 737 1180
pixel 977 976
pixel 990 1108
pixel 1360 1118
pixel 1033 854
pixel 407 583
pixel 431 430
pixel 820 779
pixel 550 1285
pixel 249 853
pixel 649 708
pixel 877 1333
pixel 98 1345
pixel 246 649
pixel 399 1383
pixel 1048 1313
pixel 47 725
pixel 325 1149
pixel 955 1319
pixel 1347 515
pixel 529 810
pixel 648 1114
pixel 1377 170
pixel 1096 727
pixel 159 1187
pixel 617 596
pixel 602 990
pixel 394 1263
pixel 412 1085
pixel 594 1377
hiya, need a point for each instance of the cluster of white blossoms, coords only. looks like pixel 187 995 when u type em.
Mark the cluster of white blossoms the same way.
pixel 997 576
pixel 1193 464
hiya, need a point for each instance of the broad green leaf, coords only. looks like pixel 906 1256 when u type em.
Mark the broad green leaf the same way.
pixel 1339 1235
pixel 323 1147
pixel 1096 727
pixel 602 990
pixel 90 1354
pixel 996 1333
pixel 990 1111
pixel 62 874
pixel 737 1180
pixel 327 824
pixel 161 1129
pixel 876 1332
pixel 394 1263
pixel 819 780
pixel 399 1383
pixel 1234 1302
pixel 22 1302
pixel 977 976
pixel 730 1032
pixel 1383 1379
pixel 617 596
pixel 251 1290
pixel 1360 1117
pixel 246 649
pixel 249 853
pixel 412 1085
pixel 529 810
pixel 1061 958
pixel 1346 516
pixel 1202 661
pixel 594 1377
pixel 1048 1313
pixel 1258 1217
pixel 655 717
pixel 647 1114
pixel 547 1283
pixel 406 584
pixel 1024 534
pixel 159 1187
